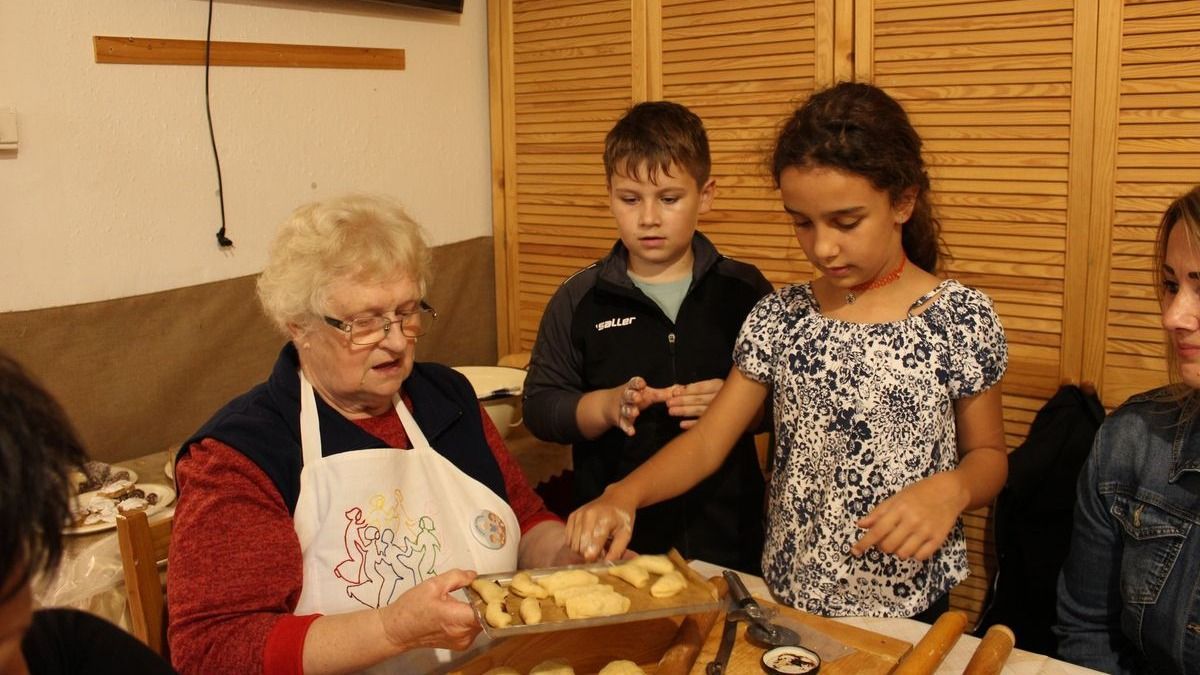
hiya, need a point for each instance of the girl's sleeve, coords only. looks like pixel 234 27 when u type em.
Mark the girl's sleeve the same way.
pixel 978 347
pixel 754 349
pixel 236 569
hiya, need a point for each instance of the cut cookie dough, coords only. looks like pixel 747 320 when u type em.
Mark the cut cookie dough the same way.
pixel 668 584
pixel 636 575
pixel 490 591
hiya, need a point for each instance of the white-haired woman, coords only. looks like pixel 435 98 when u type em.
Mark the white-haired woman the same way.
pixel 326 515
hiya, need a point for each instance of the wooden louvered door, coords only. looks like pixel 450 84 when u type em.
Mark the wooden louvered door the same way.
pixel 742 67
pixel 562 73
pixel 1148 132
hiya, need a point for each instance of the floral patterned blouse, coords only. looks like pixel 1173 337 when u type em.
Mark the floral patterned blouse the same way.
pixel 861 411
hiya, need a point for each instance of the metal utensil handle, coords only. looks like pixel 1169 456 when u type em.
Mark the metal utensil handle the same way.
pixel 721 660
pixel 737 589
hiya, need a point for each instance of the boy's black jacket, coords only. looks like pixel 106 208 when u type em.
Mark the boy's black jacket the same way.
pixel 599 330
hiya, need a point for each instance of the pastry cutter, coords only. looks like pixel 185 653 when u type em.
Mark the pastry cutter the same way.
pixel 760 631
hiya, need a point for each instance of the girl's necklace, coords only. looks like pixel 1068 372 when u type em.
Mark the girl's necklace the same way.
pixel 877 282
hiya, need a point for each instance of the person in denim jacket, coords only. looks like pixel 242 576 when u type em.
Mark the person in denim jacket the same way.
pixel 1129 593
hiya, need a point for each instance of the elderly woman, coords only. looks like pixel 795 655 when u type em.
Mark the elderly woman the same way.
pixel 1127 595
pixel 326 515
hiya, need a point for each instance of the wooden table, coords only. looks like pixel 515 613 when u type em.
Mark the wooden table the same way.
pixel 90 575
pixel 1020 662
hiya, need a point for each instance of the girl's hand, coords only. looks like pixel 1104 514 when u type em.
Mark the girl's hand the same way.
pixel 591 526
pixel 631 399
pixel 914 522
pixel 691 400
pixel 426 615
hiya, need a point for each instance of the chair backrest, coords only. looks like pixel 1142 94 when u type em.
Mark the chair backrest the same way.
pixel 143 544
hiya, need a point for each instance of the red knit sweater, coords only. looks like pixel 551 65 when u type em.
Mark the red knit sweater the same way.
pixel 236 569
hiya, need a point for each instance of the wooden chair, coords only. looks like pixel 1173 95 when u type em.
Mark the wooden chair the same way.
pixel 143 544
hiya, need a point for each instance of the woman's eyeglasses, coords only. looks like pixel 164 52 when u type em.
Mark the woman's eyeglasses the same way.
pixel 371 330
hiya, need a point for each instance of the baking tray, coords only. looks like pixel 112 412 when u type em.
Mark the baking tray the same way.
pixel 700 596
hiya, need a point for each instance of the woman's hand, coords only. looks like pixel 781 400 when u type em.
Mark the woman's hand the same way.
pixel 691 400
pixel 914 522
pixel 426 615
pixel 545 545
pixel 590 528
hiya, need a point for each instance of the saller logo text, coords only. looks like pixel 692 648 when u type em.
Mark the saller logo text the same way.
pixel 614 323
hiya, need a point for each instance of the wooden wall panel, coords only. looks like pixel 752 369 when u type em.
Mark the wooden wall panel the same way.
pixel 742 67
pixel 573 74
pixel 1156 158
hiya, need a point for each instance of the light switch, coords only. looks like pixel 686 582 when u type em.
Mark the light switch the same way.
pixel 8 128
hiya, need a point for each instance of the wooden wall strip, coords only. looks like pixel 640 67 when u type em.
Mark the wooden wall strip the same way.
pixel 160 51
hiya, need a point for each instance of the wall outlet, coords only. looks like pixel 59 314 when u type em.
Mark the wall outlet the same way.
pixel 8 128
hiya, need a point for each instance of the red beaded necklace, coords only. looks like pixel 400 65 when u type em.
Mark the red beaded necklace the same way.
pixel 877 282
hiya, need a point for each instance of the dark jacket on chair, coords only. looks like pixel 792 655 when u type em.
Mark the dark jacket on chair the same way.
pixel 1033 517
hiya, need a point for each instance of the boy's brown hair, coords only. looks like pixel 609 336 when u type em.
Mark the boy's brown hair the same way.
pixel 655 134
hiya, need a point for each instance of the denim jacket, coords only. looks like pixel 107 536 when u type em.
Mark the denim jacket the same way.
pixel 1129 593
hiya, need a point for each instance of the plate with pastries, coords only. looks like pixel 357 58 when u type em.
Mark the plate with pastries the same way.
pixel 595 594
pixel 95 475
pixel 96 510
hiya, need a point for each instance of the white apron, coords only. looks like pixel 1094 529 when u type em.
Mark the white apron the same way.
pixel 374 523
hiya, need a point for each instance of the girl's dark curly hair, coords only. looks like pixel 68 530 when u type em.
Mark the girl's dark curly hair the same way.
pixel 38 450
pixel 858 128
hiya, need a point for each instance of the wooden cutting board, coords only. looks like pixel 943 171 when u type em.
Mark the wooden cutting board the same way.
pixel 873 652
pixel 646 643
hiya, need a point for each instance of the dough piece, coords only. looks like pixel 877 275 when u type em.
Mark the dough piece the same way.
pixel 496 615
pixel 622 668
pixel 635 575
pixel 668 584
pixel 502 670
pixel 552 667
pixel 658 564
pixel 490 591
pixel 561 596
pixel 597 604
pixel 523 585
pixel 531 611
pixel 567 578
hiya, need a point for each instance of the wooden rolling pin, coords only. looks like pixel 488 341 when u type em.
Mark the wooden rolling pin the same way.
pixel 932 649
pixel 992 652
pixel 689 639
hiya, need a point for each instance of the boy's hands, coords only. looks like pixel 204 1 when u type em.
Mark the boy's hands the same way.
pixel 683 400
pixel 631 399
pixel 915 521
pixel 691 400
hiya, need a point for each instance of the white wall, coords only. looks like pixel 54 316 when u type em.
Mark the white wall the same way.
pixel 112 191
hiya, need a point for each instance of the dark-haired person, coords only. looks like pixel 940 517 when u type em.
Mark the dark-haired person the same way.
pixel 1129 592
pixel 38 450
pixel 632 348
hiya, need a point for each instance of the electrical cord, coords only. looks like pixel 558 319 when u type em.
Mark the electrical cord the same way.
pixel 222 240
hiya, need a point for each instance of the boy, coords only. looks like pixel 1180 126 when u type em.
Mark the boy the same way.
pixel 633 348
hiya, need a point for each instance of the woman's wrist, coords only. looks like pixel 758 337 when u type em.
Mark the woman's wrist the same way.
pixel 397 642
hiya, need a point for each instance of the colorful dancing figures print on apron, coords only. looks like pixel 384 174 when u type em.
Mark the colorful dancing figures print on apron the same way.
pixel 374 523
